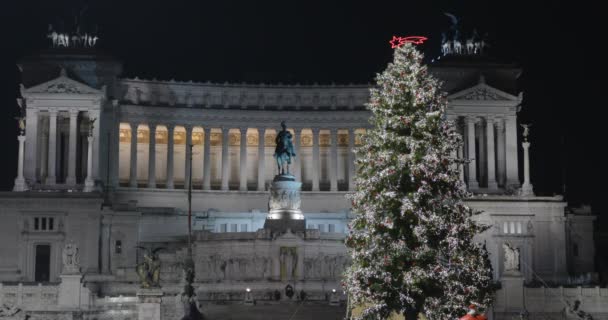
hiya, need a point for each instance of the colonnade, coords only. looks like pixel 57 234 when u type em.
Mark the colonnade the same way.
pixel 490 146
pixel 46 146
pixel 131 136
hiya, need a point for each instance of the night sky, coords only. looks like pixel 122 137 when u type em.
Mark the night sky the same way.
pixel 344 42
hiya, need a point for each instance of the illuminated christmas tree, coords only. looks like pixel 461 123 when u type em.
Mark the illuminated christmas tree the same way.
pixel 411 241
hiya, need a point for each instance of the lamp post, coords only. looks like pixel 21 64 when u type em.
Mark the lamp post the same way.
pixel 191 311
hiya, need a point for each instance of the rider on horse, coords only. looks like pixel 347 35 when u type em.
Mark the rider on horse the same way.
pixel 284 149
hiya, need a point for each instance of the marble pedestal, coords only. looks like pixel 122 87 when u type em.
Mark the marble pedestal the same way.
pixel 148 304
pixel 284 205
pixel 72 294
pixel 513 290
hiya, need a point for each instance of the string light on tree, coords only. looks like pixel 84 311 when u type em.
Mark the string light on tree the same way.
pixel 411 240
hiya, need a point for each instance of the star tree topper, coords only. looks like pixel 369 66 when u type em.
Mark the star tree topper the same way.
pixel 397 42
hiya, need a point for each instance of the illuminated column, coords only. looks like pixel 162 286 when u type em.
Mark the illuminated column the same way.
pixel 243 160
pixel 492 185
pixel 207 159
pixel 315 159
pixel 89 183
pixel 225 160
pixel 52 158
pixel 20 184
pixel 152 157
pixel 333 173
pixel 187 157
pixel 351 159
pixel 261 156
pixel 170 138
pixel 473 184
pixel 133 172
pixel 71 178
pixel 297 168
pixel 511 152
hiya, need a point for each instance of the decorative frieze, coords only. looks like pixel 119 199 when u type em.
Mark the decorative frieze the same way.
pixel 207 95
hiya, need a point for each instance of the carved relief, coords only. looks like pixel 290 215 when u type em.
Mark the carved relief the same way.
pixel 125 135
pixel 252 140
pixel 216 139
pixel 306 140
pixel 482 94
pixel 143 136
pixel 269 140
pixel 281 199
pixel 325 267
pixel 198 138
pixel 216 267
pixel 235 139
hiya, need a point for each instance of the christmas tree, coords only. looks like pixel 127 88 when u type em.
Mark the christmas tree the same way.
pixel 411 241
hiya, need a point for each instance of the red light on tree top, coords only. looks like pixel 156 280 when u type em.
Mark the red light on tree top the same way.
pixel 397 42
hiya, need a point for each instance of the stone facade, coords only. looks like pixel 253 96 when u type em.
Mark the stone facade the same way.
pixel 138 197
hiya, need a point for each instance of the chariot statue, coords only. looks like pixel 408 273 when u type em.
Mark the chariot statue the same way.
pixel 284 150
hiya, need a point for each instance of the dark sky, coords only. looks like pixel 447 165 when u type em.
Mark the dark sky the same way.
pixel 340 41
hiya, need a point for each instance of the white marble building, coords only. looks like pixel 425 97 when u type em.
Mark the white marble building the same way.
pixel 119 182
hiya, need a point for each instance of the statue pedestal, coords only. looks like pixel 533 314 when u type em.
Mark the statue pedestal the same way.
pixel 71 292
pixel 513 291
pixel 334 299
pixel 284 205
pixel 148 304
pixel 248 299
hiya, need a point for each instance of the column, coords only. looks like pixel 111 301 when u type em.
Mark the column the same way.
pixel 71 178
pixel 460 151
pixel 52 166
pixel 500 151
pixel 170 138
pixel 511 152
pixel 351 159
pixel 113 157
pixel 31 147
pixel 460 165
pixel 480 133
pixel 473 184
pixel 89 183
pixel 492 185
pixel 333 170
pixel 315 159
pixel 297 168
pixel 96 172
pixel 207 159
pixel 20 184
pixel 225 160
pixel 243 160
pixel 526 188
pixel 261 156
pixel 133 169
pixel 187 157
pixel 152 156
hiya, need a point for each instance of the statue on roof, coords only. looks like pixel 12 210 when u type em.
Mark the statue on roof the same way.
pixel 526 132
pixel 284 150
